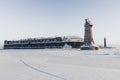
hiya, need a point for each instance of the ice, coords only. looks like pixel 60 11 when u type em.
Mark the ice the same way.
pixel 60 64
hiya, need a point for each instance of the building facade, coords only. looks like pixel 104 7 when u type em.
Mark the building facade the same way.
pixel 43 43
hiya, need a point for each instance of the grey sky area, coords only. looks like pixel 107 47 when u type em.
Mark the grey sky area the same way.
pixel 21 19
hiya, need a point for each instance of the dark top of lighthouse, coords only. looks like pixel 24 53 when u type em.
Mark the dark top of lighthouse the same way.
pixel 88 22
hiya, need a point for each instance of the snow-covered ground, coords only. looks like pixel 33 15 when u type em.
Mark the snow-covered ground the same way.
pixel 59 64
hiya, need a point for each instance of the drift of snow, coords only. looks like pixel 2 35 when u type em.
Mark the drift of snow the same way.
pixel 60 64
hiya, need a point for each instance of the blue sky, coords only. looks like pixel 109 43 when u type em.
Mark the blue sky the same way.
pixel 21 19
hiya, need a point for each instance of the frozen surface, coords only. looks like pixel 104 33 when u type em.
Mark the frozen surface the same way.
pixel 59 64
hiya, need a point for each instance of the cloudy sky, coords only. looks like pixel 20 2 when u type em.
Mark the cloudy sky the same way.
pixel 21 19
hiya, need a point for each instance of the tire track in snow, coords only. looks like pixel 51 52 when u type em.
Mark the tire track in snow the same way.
pixel 45 72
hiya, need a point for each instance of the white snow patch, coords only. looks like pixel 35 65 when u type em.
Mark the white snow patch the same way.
pixel 60 64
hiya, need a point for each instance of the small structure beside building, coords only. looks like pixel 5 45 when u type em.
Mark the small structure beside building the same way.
pixel 105 44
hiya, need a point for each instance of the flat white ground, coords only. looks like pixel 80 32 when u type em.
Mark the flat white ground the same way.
pixel 59 64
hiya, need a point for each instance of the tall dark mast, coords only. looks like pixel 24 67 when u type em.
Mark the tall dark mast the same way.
pixel 105 44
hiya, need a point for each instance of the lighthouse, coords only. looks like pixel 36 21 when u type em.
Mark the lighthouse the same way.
pixel 88 37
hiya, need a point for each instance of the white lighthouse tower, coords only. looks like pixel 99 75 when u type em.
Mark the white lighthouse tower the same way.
pixel 88 37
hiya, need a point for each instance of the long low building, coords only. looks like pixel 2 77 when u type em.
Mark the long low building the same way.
pixel 43 43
